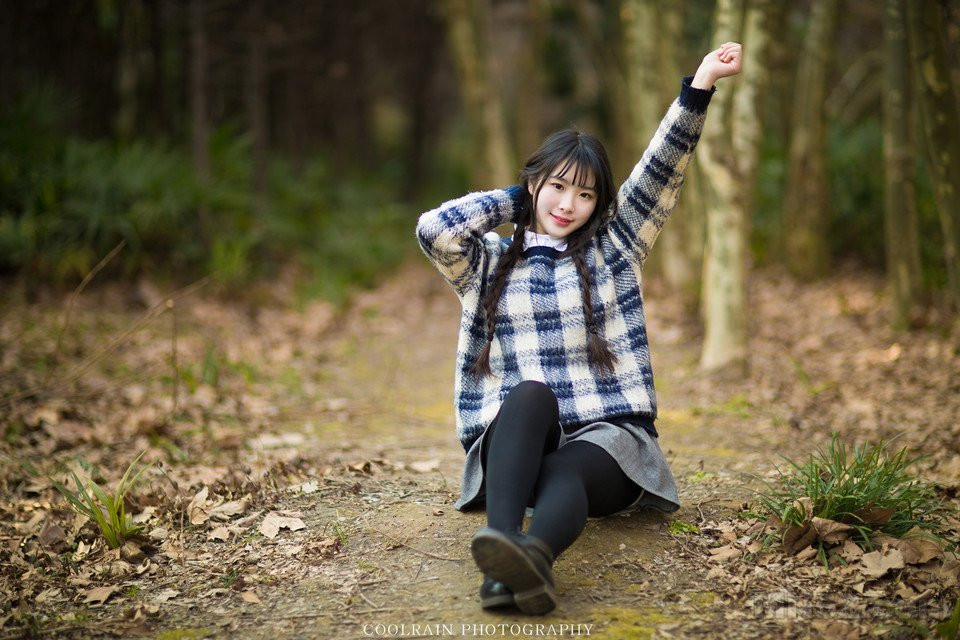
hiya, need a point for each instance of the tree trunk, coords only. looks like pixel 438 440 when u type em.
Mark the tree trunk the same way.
pixel 680 257
pixel 747 134
pixel 941 126
pixel 469 40
pixel 606 56
pixel 806 195
pixel 900 211
pixel 256 100
pixel 199 102
pixel 730 165
pixel 642 59
pixel 725 336
pixel 128 67
pixel 529 124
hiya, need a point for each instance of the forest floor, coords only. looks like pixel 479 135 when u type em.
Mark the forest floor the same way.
pixel 303 464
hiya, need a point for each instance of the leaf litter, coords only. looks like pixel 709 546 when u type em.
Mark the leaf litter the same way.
pixel 259 482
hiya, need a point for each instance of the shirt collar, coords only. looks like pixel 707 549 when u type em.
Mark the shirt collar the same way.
pixel 533 239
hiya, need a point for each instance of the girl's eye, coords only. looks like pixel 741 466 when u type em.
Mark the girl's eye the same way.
pixel 586 196
pixel 557 186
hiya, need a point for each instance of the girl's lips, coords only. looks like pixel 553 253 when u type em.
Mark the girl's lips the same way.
pixel 560 221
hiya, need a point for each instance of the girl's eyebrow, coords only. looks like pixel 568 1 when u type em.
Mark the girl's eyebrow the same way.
pixel 565 181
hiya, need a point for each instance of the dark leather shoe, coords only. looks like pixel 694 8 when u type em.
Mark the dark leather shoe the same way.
pixel 522 563
pixel 494 595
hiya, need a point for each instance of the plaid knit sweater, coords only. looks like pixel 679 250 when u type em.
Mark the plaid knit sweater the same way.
pixel 541 331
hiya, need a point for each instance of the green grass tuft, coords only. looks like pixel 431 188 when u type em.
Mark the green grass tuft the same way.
pixel 868 488
pixel 106 510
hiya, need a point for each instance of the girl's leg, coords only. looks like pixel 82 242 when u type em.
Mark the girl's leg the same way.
pixel 526 428
pixel 578 480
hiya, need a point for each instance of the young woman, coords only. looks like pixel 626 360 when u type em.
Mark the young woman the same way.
pixel 554 392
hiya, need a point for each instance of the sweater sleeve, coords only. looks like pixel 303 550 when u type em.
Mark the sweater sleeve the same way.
pixel 451 235
pixel 646 198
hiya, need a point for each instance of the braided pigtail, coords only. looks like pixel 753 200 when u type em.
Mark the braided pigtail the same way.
pixel 481 366
pixel 598 349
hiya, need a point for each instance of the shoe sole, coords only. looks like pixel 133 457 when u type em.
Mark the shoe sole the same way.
pixel 502 559
pixel 496 602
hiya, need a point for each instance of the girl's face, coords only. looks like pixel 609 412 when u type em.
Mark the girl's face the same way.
pixel 563 206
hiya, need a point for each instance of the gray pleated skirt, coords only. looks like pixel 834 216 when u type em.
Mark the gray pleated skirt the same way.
pixel 632 446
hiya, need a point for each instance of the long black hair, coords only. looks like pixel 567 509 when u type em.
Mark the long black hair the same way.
pixel 557 154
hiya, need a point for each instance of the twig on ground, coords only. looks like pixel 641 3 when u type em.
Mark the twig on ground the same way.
pixel 366 599
pixel 80 287
pixel 173 357
pixel 426 553
pixel 78 370
pixel 390 610
pixel 700 511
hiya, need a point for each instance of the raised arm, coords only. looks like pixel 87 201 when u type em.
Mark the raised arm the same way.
pixel 647 197
pixel 452 234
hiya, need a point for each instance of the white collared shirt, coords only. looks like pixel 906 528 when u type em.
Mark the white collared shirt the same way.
pixel 533 239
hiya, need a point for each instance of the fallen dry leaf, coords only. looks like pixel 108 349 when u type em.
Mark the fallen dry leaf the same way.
pixel 916 548
pixel 141 611
pixel 165 595
pixel 831 531
pixel 52 535
pixel 158 534
pixel 425 466
pixel 131 552
pixel 361 468
pixel 233 508
pixel 220 533
pixel 199 508
pixel 99 595
pixel 874 515
pixel 795 539
pixel 835 630
pixel 805 554
pixel 851 551
pixel 250 596
pixel 724 553
pixel 273 522
pixel 878 563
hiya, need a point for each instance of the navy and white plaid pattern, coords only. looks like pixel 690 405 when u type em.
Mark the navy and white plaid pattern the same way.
pixel 540 329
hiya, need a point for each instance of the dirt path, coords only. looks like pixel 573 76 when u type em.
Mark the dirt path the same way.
pixel 373 470
pixel 404 568
pixel 405 560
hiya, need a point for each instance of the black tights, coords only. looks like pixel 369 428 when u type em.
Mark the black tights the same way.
pixel 522 465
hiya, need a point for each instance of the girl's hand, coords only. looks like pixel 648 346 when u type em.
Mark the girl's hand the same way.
pixel 717 64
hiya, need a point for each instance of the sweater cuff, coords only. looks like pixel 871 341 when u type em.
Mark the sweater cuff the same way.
pixel 515 192
pixel 695 99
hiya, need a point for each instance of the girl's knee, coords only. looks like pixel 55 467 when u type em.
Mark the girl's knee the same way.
pixel 556 474
pixel 533 392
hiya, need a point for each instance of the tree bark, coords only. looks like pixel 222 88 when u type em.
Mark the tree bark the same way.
pixel 680 256
pixel 643 58
pixel 199 102
pixel 529 125
pixel 941 126
pixel 730 165
pixel 129 66
pixel 606 56
pixel 900 211
pixel 724 289
pixel 469 41
pixel 256 99
pixel 806 195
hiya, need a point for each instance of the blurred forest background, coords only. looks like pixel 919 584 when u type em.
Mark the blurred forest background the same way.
pixel 242 138
pixel 277 155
